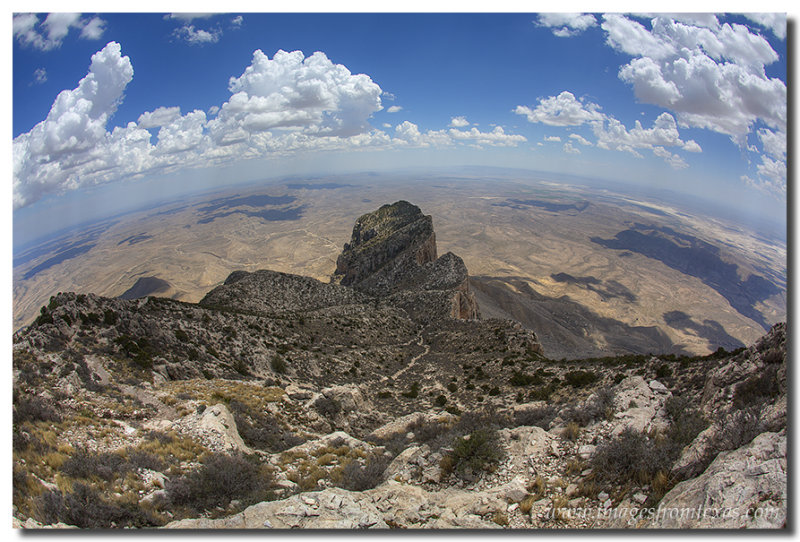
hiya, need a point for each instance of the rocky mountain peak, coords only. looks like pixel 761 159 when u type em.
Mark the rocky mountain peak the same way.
pixel 386 245
pixel 392 254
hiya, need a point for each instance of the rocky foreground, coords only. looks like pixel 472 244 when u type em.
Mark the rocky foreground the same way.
pixel 380 400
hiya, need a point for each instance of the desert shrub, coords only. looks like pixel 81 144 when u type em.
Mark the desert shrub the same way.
pixel 413 391
pixel 261 431
pixel 687 421
pixel 580 378
pixel 631 456
pixel 358 477
pixel 522 379
pixel 471 421
pixel 220 479
pixel 537 416
pixel 44 317
pixel 542 393
pixel 739 428
pixel 427 431
pixel 440 401
pixel 181 335
pixel 773 355
pixel 394 444
pixel 141 459
pixel 109 317
pixel 327 407
pixel 479 451
pixel 30 408
pixel 139 351
pixel 571 432
pixel 604 402
pixel 85 463
pixel 278 364
pixel 452 387
pixel 600 406
pixel 758 388
pixel 663 371
pixel 89 318
pixel 86 508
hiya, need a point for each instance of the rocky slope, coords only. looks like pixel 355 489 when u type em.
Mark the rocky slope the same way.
pixel 375 401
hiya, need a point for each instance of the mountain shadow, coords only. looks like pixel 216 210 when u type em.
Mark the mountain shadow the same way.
pixel 696 258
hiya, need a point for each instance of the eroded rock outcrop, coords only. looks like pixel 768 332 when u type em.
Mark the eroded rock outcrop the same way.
pixel 741 488
pixel 392 253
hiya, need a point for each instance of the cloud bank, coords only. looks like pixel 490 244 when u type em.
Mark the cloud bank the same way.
pixel 705 74
pixel 277 107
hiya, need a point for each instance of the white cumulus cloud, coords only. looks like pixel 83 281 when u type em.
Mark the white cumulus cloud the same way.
pixel 496 138
pixel 159 117
pixel 580 139
pixel 394 109
pixel 40 75
pixel 93 29
pixel 197 36
pixel 565 110
pixel 710 76
pixel 459 122
pixel 776 22
pixel 561 110
pixel 73 131
pixel 278 106
pixel 569 148
pixel 293 92
pixel 50 33
pixel 565 25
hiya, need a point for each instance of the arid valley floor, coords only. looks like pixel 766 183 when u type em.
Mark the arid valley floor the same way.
pixel 592 272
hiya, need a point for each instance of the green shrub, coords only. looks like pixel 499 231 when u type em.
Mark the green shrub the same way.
pixel 109 317
pixel 260 430
pixel 758 388
pixel 181 335
pixel 479 451
pixel 44 317
pixel 663 371
pixel 220 479
pixel 412 392
pixel 521 379
pixel 358 477
pixel 86 508
pixel 538 416
pixel 580 378
pixel 327 407
pixel 278 364
pixel 630 457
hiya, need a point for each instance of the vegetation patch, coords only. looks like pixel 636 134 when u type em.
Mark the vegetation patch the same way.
pixel 220 479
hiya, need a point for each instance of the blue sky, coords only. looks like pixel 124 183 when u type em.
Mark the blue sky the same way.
pixel 696 104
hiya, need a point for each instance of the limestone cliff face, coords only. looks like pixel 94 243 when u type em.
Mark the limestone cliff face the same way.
pixel 392 253
pixel 386 245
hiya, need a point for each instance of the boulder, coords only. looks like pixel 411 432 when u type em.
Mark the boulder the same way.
pixel 741 488
pixel 639 405
pixel 348 396
pixel 218 421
